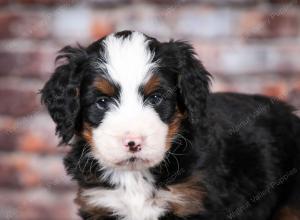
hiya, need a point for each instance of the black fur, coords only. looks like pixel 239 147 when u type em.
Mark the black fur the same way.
pixel 60 92
pixel 193 79
pixel 246 147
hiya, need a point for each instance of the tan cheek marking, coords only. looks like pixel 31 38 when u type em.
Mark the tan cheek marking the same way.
pixel 151 85
pixel 87 133
pixel 190 194
pixel 288 213
pixel 96 212
pixel 105 87
pixel 174 127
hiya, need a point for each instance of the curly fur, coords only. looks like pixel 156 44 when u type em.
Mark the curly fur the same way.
pixel 242 151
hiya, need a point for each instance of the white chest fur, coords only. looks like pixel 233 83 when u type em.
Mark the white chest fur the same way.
pixel 133 198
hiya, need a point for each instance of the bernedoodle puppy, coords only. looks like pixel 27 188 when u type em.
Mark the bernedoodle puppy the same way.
pixel 149 141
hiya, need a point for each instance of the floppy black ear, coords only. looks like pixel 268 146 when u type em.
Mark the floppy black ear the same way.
pixel 193 80
pixel 61 93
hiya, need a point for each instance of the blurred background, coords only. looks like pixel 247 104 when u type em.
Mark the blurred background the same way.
pixel 250 46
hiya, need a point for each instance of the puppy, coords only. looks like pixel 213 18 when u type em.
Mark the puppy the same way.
pixel 149 141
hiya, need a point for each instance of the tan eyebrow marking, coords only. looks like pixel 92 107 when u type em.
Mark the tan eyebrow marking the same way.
pixel 105 87
pixel 87 133
pixel 174 126
pixel 152 84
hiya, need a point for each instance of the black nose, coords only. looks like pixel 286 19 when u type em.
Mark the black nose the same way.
pixel 131 144
pixel 133 147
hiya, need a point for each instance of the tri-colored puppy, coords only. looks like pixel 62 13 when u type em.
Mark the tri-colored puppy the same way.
pixel 149 141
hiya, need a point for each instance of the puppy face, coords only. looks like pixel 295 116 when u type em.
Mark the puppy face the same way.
pixel 128 121
pixel 130 97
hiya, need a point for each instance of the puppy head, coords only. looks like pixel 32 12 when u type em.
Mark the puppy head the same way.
pixel 127 95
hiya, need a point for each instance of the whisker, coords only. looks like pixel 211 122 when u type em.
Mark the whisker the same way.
pixel 83 155
pixel 188 143
pixel 86 162
pixel 94 162
pixel 178 166
pixel 176 154
pixel 166 162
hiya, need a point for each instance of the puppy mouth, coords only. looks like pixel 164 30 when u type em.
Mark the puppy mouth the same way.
pixel 133 162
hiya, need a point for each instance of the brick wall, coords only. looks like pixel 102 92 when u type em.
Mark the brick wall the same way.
pixel 250 46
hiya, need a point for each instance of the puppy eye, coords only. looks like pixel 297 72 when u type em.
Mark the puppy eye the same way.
pixel 154 99
pixel 102 102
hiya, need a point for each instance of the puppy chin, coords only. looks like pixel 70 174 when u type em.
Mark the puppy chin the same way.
pixel 130 162
pixel 133 163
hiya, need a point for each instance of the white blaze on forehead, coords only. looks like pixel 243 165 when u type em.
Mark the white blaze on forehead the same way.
pixel 129 64
pixel 129 61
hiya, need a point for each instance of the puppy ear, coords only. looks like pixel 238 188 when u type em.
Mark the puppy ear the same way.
pixel 61 93
pixel 193 80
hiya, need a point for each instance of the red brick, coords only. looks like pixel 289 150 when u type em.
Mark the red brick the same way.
pixel 166 2
pixel 203 22
pixel 296 84
pixel 278 90
pixel 110 3
pixel 31 142
pixel 38 203
pixel 284 1
pixel 37 135
pixel 294 95
pixel 33 133
pixel 251 23
pixel 282 22
pixel 273 84
pixel 27 25
pixel 215 2
pixel 107 3
pixel 8 140
pixel 100 28
pixel 29 171
pixel 19 97
pixel 8 135
pixel 30 63
pixel 16 102
pixel 47 2
pixel 3 2
pixel 235 58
